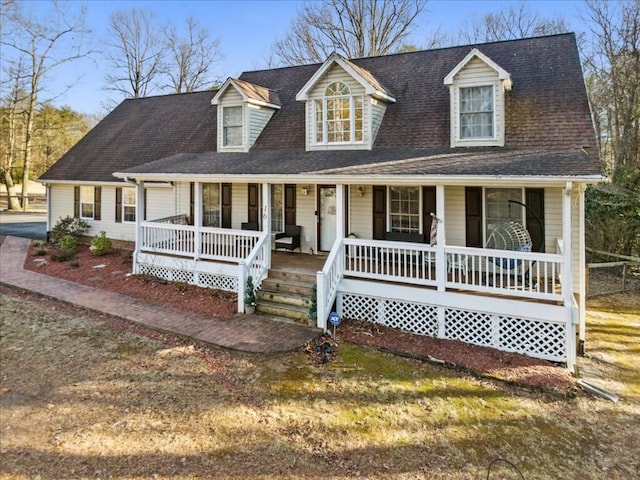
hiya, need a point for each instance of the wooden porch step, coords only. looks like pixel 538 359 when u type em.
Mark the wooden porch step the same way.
pixel 293 275
pixel 287 298
pixel 274 285
pixel 294 312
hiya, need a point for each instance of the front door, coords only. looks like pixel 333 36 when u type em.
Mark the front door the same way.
pixel 326 217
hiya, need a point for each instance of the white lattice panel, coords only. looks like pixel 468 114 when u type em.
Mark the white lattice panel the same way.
pixel 535 338
pixel 220 282
pixel 469 327
pixel 408 316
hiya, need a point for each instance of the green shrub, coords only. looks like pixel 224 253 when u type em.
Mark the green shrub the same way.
pixel 40 248
pixel 75 227
pixel 250 293
pixel 67 248
pixel 100 244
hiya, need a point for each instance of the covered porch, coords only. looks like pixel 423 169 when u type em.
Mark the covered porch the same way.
pixel 477 295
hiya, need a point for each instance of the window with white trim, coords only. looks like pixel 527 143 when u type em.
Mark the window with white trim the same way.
pixel 499 209
pixel 128 204
pixel 338 116
pixel 87 202
pixel 211 207
pixel 404 209
pixel 477 112
pixel 277 208
pixel 232 126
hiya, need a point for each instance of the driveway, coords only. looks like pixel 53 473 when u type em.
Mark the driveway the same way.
pixel 24 224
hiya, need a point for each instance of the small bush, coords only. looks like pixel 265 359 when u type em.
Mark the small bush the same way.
pixel 67 248
pixel 74 263
pixel 75 227
pixel 100 244
pixel 40 248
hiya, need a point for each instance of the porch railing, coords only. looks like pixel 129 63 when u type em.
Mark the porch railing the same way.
pixel 328 280
pixel 519 274
pixel 256 264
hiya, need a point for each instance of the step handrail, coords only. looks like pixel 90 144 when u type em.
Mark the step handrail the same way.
pixel 328 279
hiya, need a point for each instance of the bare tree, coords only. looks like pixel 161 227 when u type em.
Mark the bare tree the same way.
pixel 136 56
pixel 32 47
pixel 510 24
pixel 190 58
pixel 353 28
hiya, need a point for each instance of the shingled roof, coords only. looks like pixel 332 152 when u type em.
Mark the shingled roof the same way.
pixel 548 125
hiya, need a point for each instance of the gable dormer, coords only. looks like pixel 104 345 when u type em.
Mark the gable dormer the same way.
pixel 344 106
pixel 243 111
pixel 477 88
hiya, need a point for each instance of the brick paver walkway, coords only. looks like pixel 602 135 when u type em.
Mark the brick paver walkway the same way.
pixel 251 333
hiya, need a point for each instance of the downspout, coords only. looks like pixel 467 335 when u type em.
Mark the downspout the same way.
pixel 582 289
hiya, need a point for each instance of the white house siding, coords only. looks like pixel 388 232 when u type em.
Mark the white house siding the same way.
pixel 360 212
pixel 477 73
pixel 337 74
pixel 258 118
pixel 377 113
pixel 182 199
pixel 552 218
pixel 161 202
pixel 454 216
pixel 61 202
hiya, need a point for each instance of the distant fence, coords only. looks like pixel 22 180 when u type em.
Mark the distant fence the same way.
pixel 608 277
pixel 37 201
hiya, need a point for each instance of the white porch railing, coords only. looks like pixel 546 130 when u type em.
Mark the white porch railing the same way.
pixel 256 264
pixel 328 280
pixel 181 240
pixel 519 274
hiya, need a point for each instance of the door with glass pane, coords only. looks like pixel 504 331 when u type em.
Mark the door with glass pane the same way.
pixel 327 210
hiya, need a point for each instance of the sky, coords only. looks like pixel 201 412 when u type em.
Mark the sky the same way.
pixel 246 30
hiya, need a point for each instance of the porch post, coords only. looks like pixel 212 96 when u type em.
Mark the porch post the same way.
pixel 340 212
pixel 581 272
pixel 567 274
pixel 140 208
pixel 266 220
pixel 197 219
pixel 441 260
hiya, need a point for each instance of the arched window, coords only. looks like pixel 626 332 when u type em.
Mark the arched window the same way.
pixel 338 115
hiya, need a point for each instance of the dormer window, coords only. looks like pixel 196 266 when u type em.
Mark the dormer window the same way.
pixel 338 115
pixel 476 112
pixel 232 126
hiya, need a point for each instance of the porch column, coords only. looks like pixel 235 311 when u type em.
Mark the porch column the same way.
pixel 197 219
pixel 340 212
pixel 140 208
pixel 582 292
pixel 266 220
pixel 441 259
pixel 567 274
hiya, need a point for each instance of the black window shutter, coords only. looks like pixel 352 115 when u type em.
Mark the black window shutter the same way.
pixel 473 216
pixel 534 198
pixel 119 205
pixel 428 207
pixel 76 202
pixel 289 204
pixel 97 194
pixel 379 212
pixel 144 214
pixel 192 195
pixel 226 205
pixel 253 205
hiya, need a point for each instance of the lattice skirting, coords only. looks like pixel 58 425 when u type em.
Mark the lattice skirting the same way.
pixel 536 338
pixel 201 279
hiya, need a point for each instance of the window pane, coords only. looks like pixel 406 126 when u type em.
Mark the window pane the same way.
pixel 129 204
pixel 129 214
pixel 86 201
pixel 404 209
pixel 499 209
pixel 476 112
pixel 86 210
pixel 211 204
pixel 277 208
pixel 232 126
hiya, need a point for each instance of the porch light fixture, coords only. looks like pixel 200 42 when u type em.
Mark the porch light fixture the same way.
pixel 305 189
pixel 360 191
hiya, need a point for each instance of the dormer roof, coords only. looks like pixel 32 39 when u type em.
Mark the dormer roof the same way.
pixel 476 53
pixel 250 93
pixel 365 78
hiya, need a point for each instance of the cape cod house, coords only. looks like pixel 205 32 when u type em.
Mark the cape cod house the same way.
pixel 442 191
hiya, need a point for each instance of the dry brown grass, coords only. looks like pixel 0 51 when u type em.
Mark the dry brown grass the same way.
pixel 83 396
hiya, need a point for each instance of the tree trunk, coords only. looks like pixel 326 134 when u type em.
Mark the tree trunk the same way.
pixel 13 202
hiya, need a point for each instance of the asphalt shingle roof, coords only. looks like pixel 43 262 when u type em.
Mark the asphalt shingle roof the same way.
pixel 548 124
